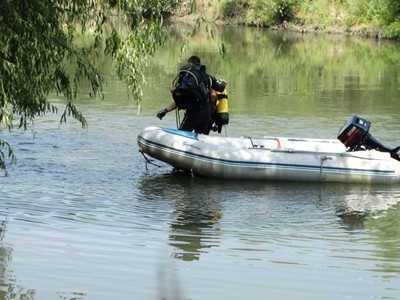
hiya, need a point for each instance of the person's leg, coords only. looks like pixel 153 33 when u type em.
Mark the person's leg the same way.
pixel 202 128
pixel 187 124
pixel 210 124
pixel 202 121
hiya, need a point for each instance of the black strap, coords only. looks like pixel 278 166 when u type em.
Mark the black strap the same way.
pixel 222 96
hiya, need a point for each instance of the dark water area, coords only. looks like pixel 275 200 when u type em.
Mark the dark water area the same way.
pixel 83 218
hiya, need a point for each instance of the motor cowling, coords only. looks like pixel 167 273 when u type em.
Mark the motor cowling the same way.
pixel 353 132
pixel 355 136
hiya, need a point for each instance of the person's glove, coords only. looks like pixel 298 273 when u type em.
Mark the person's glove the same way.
pixel 161 114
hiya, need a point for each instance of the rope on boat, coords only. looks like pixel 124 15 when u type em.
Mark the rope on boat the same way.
pixel 323 158
pixel 279 143
pixel 177 118
pixel 251 141
pixel 148 161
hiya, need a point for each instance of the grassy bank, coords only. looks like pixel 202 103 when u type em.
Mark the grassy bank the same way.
pixel 370 18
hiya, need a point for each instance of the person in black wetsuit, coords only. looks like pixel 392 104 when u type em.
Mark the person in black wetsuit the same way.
pixel 197 113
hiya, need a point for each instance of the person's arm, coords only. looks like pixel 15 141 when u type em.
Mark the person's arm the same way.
pixel 213 95
pixel 161 114
pixel 213 101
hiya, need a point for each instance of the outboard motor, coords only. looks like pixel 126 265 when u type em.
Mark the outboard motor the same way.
pixel 356 137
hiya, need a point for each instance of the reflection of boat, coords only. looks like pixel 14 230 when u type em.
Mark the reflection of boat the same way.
pixel 192 230
pixel 355 204
pixel 195 213
pixel 359 158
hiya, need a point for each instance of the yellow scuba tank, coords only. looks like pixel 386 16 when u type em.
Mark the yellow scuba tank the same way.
pixel 222 113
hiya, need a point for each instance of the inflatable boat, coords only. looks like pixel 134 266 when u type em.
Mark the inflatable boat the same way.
pixel 354 157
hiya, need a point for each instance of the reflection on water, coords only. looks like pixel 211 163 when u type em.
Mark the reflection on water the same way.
pixel 11 290
pixel 196 212
pixel 264 213
pixel 192 229
pixel 360 204
pixel 4 257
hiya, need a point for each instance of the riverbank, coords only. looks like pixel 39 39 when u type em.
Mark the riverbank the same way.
pixel 364 31
pixel 321 16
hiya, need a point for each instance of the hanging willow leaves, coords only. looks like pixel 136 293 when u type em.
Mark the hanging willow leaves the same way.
pixel 49 46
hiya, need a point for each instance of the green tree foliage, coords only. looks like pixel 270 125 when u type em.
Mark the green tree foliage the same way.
pixel 383 15
pixel 48 46
pixel 260 12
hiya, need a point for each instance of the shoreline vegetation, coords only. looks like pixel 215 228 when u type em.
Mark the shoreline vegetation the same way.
pixel 379 19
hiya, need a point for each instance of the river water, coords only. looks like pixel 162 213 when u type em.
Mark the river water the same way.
pixel 83 218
